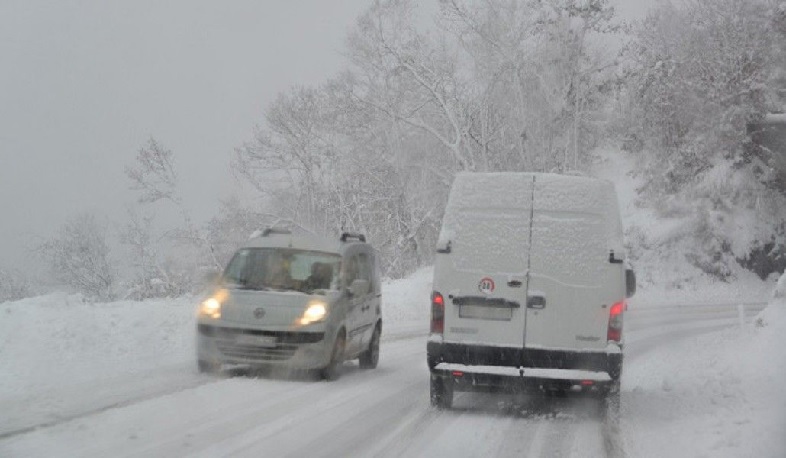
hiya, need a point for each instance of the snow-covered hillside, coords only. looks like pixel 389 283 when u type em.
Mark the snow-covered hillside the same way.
pixel 659 246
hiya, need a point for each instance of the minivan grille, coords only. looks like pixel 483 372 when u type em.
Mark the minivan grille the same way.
pixel 286 344
pixel 251 352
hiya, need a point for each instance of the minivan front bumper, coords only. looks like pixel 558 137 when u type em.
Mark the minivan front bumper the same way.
pixel 231 345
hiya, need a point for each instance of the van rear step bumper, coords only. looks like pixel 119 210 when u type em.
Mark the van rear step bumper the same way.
pixel 512 379
pixel 509 358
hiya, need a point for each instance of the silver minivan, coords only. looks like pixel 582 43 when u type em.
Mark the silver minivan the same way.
pixel 530 287
pixel 296 301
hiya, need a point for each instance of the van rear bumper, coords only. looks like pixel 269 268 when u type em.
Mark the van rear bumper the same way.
pixel 488 362
pixel 510 379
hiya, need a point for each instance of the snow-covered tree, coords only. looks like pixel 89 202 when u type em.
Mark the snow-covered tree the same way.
pixel 375 149
pixel 545 74
pixel 152 276
pixel 163 270
pixel 697 76
pixel 79 257
pixel 234 224
pixel 13 286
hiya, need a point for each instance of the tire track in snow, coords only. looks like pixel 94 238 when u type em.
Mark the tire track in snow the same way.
pixel 279 420
pixel 106 407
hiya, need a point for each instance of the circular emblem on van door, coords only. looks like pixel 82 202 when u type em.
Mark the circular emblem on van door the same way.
pixel 259 313
pixel 486 285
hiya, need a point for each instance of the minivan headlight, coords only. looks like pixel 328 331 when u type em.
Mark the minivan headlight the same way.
pixel 211 307
pixel 316 311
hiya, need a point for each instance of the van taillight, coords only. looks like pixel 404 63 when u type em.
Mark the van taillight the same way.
pixel 437 313
pixel 615 321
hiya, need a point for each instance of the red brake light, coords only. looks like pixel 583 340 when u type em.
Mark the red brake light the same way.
pixel 437 313
pixel 615 321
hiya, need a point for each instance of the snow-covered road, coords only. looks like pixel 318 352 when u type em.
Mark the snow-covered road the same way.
pixel 174 411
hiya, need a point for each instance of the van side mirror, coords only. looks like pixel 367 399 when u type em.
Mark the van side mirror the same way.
pixel 359 287
pixel 444 248
pixel 630 283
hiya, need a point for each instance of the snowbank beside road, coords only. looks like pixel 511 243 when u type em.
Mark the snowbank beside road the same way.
pixel 408 299
pixel 723 397
pixel 53 341
pixel 50 343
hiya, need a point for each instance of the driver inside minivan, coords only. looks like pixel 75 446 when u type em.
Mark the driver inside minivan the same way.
pixel 279 276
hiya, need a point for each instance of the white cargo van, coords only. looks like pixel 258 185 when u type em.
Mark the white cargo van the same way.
pixel 529 286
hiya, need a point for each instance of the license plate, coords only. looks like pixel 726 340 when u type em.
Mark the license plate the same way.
pixel 486 313
pixel 257 341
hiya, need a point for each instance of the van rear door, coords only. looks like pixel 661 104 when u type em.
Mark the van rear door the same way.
pixel 572 284
pixel 481 272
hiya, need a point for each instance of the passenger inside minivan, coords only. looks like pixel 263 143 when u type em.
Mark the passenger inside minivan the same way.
pixel 279 273
pixel 321 275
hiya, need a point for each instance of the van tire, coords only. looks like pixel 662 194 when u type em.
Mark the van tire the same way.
pixel 331 371
pixel 441 393
pixel 370 358
pixel 611 398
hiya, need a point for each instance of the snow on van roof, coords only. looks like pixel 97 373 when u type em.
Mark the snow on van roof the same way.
pixel 512 190
pixel 488 218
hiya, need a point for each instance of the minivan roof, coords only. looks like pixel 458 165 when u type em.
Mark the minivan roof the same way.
pixel 306 242
pixel 285 238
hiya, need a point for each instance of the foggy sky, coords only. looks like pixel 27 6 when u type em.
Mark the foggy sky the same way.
pixel 84 84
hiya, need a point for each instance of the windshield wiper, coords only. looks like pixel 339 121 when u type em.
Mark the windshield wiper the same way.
pixel 241 284
pixel 315 291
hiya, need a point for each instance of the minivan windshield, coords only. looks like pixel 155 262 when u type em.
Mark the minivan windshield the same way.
pixel 283 269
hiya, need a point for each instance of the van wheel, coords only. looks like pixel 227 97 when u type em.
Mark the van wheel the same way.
pixel 369 358
pixel 331 371
pixel 441 393
pixel 612 400
pixel 208 367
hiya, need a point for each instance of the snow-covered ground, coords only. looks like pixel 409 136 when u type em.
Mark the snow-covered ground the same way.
pixel 718 393
pixel 695 383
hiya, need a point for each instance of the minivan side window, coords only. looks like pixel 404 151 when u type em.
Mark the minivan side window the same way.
pixel 351 271
pixel 358 266
pixel 365 271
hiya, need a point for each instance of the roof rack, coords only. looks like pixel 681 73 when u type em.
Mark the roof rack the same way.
pixel 353 235
pixel 275 230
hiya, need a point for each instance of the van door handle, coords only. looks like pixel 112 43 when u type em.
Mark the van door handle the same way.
pixel 536 302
